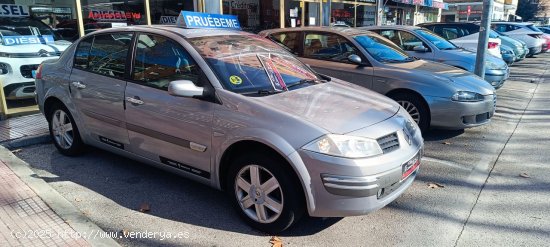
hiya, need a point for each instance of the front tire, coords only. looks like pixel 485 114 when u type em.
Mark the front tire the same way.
pixel 64 132
pixel 264 193
pixel 415 106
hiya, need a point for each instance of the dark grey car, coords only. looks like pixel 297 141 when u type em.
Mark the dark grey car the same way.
pixel 433 93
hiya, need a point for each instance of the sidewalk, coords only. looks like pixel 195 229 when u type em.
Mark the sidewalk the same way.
pixel 25 220
pixel 23 131
pixel 31 212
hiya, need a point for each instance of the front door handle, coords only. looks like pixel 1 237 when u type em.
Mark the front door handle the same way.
pixel 135 100
pixel 78 85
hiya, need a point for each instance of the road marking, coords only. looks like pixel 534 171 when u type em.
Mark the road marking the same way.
pixel 447 163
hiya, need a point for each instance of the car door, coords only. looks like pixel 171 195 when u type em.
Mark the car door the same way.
pixel 327 53
pixel 172 130
pixel 98 84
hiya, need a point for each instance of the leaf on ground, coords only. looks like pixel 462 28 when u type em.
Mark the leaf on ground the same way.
pixel 124 232
pixel 524 175
pixel 77 199
pixel 144 207
pixel 435 186
pixel 446 143
pixel 276 242
pixel 16 150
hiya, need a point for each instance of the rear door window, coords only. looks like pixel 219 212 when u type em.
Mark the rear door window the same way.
pixel 107 54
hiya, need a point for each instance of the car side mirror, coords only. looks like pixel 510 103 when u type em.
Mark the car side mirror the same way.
pixel 184 88
pixel 420 48
pixel 356 59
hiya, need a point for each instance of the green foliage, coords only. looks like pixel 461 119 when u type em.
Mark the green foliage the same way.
pixel 528 9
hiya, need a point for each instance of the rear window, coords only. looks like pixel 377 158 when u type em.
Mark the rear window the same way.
pixel 104 54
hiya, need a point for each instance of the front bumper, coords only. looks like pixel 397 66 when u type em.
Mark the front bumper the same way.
pixel 535 50
pixel 18 82
pixel 339 187
pixel 448 114
pixel 497 77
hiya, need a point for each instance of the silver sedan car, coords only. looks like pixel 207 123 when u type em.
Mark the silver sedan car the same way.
pixel 434 94
pixel 234 111
pixel 422 43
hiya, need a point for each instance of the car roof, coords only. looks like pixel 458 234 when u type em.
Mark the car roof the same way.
pixel 185 32
pixel 347 31
pixel 400 27
pixel 513 23
pixel 446 23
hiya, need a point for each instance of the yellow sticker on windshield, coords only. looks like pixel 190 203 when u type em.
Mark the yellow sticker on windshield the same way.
pixel 235 80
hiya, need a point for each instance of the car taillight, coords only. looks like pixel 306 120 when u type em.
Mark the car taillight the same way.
pixel 492 45
pixel 38 72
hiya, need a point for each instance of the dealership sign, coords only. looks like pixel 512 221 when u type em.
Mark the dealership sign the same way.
pixel 190 19
pixel 109 15
pixel 27 40
pixel 13 10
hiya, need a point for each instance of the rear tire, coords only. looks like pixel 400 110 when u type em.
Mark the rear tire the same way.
pixel 64 132
pixel 416 108
pixel 272 202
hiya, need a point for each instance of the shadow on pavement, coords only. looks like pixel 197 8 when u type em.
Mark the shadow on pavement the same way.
pixel 130 183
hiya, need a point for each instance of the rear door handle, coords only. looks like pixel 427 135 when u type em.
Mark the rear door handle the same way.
pixel 78 85
pixel 135 100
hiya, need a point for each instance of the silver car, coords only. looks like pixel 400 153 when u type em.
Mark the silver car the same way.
pixel 236 112
pixel 422 43
pixel 434 94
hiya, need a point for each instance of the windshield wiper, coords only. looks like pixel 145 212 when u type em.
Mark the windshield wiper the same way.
pixel 268 92
pixel 305 81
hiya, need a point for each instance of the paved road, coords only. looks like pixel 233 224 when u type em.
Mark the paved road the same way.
pixel 484 201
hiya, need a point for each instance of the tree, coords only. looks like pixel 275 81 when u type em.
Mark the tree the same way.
pixel 528 9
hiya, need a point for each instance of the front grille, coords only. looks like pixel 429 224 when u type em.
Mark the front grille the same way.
pixel 26 70
pixel 388 143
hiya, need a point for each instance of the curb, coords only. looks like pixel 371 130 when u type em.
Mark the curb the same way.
pixel 27 141
pixel 67 211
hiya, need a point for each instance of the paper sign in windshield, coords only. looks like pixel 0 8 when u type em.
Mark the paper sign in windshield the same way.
pixel 27 40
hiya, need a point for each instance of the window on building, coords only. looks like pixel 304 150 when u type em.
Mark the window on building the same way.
pixel 109 53
pixel 167 11
pixel 160 60
pixel 328 46
pixel 101 14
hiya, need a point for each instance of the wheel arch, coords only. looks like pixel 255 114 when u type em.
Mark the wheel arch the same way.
pixel 416 94
pixel 295 168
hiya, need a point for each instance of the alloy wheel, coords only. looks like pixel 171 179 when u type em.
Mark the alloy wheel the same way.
pixel 62 129
pixel 411 109
pixel 259 194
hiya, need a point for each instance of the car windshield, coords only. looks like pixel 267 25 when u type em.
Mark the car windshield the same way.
pixel 433 38
pixel 250 64
pixel 381 49
pixel 10 26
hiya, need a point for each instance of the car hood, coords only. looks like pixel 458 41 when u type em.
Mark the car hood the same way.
pixel 55 47
pixel 460 80
pixel 337 106
pixel 470 57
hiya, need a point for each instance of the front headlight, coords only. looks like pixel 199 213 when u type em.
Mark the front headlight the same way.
pixel 465 96
pixel 491 65
pixel 345 146
pixel 505 51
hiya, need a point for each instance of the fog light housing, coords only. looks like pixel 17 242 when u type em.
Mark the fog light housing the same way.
pixel 4 68
pixel 380 193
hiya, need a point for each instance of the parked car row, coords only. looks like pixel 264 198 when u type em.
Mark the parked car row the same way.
pixel 324 121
